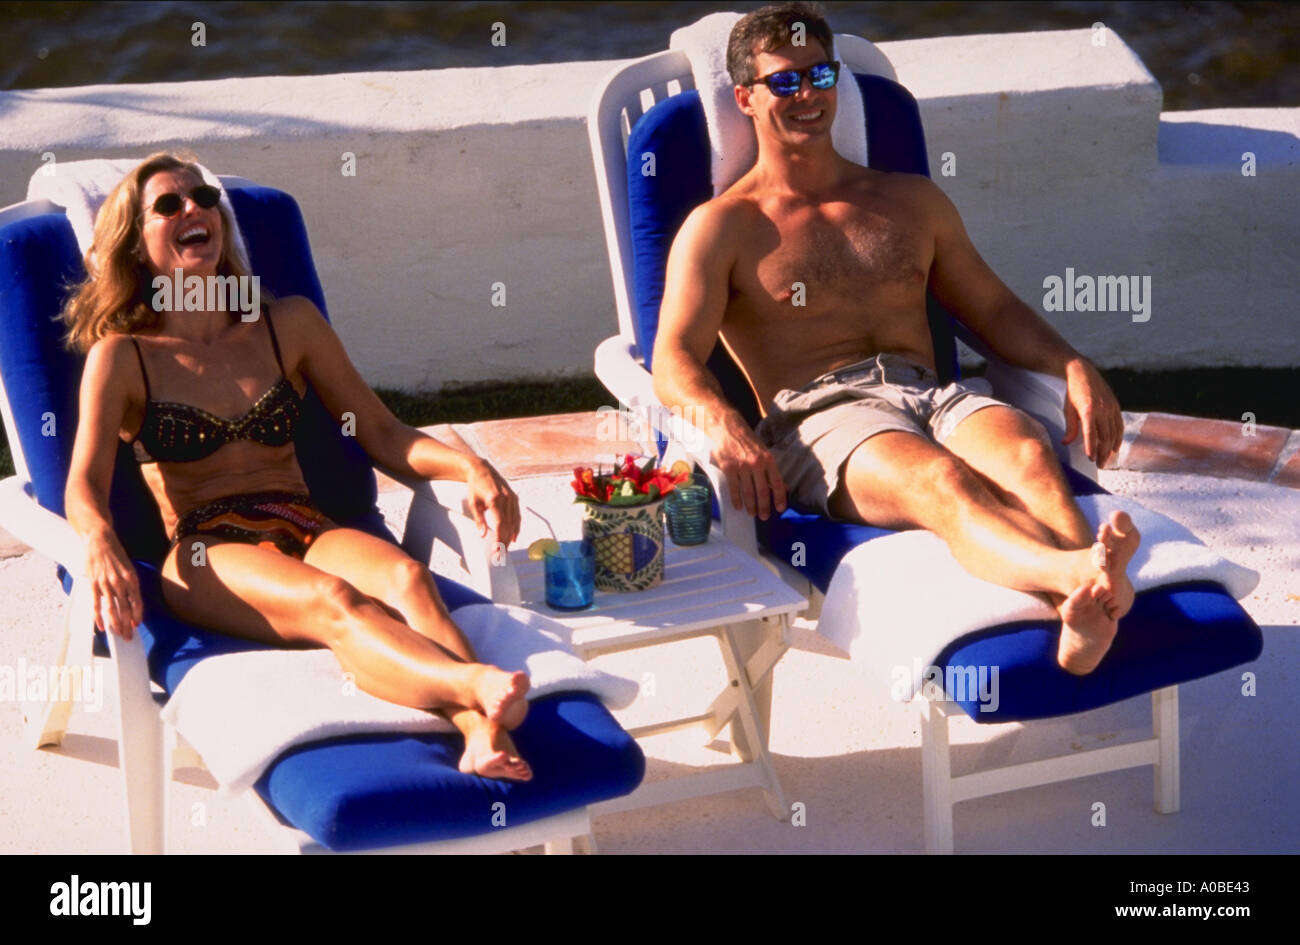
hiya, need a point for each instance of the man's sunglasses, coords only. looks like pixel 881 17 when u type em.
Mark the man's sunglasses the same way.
pixel 787 82
pixel 205 196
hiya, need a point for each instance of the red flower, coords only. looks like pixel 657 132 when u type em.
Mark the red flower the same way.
pixel 648 483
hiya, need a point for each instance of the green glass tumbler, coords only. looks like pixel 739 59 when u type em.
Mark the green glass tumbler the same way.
pixel 689 513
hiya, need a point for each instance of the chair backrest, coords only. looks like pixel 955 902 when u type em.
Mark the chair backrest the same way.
pixel 40 262
pixel 643 212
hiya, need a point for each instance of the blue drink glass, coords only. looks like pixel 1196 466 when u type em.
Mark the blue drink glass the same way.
pixel 571 576
pixel 689 513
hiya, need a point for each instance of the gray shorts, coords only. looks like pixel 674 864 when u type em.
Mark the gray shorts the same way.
pixel 811 432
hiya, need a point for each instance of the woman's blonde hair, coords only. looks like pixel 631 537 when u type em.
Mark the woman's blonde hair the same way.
pixel 116 294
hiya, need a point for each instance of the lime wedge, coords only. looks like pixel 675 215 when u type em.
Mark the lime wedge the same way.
pixel 539 549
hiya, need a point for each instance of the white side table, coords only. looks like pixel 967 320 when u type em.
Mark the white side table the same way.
pixel 714 589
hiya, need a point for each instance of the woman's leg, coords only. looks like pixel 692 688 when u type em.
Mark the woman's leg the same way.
pixel 267 596
pixel 385 572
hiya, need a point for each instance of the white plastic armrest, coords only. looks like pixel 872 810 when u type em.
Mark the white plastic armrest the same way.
pixel 440 512
pixel 53 537
pixel 619 369
pixel 626 377
pixel 140 744
pixel 33 524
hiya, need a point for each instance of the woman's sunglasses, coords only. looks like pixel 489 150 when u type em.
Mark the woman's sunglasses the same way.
pixel 787 82
pixel 205 196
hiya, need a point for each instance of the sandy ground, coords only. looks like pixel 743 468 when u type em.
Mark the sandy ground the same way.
pixel 843 748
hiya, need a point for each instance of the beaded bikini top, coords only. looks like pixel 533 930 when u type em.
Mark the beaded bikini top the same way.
pixel 181 433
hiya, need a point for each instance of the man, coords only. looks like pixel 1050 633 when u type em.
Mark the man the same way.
pixel 814 271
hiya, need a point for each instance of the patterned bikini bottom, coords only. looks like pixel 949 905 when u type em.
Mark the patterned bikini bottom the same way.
pixel 286 521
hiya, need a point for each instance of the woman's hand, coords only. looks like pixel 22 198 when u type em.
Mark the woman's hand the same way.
pixel 492 502
pixel 115 587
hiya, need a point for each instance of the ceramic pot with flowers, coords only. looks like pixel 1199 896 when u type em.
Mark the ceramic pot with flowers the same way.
pixel 623 520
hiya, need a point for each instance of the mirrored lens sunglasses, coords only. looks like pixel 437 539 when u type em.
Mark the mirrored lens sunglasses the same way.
pixel 822 75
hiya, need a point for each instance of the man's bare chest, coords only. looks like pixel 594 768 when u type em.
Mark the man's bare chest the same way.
pixel 826 256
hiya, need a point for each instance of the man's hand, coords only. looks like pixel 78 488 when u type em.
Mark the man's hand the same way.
pixel 492 502
pixel 1091 409
pixel 750 471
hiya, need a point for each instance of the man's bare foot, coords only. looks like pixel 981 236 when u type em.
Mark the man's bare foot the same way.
pixel 1087 629
pixel 490 753
pixel 502 696
pixel 1119 539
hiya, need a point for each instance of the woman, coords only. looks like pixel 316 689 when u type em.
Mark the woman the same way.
pixel 272 567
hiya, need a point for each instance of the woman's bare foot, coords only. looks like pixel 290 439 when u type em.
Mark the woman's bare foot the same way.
pixel 1087 629
pixel 1119 539
pixel 490 753
pixel 502 696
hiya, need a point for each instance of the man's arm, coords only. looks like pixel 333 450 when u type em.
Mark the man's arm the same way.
pixel 963 282
pixel 696 288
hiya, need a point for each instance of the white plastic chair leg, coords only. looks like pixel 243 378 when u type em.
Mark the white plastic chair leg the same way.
pixel 140 749
pixel 45 722
pixel 936 777
pixel 1164 722
pixel 563 847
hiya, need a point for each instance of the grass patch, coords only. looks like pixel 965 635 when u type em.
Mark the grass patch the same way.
pixel 497 401
pixel 1219 393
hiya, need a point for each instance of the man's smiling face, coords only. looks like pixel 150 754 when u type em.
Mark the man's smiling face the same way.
pixel 799 118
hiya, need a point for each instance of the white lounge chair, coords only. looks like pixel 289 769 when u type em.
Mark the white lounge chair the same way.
pixel 381 793
pixel 649 106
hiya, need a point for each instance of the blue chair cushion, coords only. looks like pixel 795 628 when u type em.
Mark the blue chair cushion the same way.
pixel 372 791
pixel 1172 635
pixel 38 261
pixel 368 792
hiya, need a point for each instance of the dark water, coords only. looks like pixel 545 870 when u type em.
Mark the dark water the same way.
pixel 1205 55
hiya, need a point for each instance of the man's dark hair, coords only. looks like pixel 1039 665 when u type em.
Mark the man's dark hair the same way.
pixel 768 29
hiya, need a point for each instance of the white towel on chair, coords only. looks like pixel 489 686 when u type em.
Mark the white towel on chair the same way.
pixel 241 711
pixel 899 600
pixel 80 187
pixel 731 131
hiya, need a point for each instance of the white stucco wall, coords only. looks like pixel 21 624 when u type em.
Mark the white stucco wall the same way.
pixel 468 177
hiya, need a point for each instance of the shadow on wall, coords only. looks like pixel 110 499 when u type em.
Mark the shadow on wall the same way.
pixel 1196 142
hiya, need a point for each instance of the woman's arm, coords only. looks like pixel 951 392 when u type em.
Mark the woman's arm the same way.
pixel 104 396
pixel 391 444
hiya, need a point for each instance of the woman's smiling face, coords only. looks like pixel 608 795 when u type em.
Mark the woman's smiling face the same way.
pixel 191 239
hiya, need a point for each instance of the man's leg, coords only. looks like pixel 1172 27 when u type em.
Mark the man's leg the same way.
pixel 902 480
pixel 1011 451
